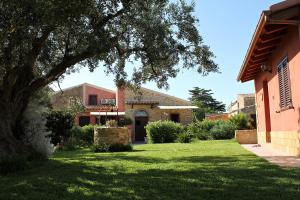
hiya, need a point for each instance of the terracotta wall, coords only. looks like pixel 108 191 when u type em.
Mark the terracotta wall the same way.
pixel 120 99
pixel 288 120
pixel 101 94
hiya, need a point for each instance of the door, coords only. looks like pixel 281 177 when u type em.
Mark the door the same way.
pixel 140 131
pixel 267 111
pixel 141 120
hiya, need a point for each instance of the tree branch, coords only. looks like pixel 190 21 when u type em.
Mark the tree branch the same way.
pixel 59 69
pixel 37 47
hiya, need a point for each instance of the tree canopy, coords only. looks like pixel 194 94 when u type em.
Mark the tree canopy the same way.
pixel 43 39
pixel 205 101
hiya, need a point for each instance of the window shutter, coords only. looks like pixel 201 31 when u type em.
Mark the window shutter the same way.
pixel 284 84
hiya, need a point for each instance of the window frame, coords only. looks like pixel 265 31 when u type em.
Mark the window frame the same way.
pixel 89 99
pixel 284 83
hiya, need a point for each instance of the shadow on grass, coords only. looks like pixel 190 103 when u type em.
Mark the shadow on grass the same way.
pixel 194 177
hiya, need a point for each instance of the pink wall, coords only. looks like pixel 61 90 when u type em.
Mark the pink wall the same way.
pixel 287 120
pixel 101 94
pixel 120 98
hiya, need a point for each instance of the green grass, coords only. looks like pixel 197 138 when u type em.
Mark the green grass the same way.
pixel 201 170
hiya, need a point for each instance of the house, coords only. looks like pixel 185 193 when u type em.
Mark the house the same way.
pixel 101 104
pixel 245 103
pixel 273 62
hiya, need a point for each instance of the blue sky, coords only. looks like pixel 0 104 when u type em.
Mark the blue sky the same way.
pixel 227 27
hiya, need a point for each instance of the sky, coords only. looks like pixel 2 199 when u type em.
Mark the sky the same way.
pixel 227 27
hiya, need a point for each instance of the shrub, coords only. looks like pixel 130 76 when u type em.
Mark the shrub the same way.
pixel 163 131
pixel 241 121
pixel 87 136
pixel 83 136
pixel 103 147
pixel 120 148
pixel 184 137
pixel 125 121
pixel 111 123
pixel 201 130
pixel 60 124
pixel 223 130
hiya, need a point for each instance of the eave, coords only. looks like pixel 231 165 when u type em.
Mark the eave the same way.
pixel 271 28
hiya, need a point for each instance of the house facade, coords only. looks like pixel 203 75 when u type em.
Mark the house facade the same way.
pixel 272 61
pixel 245 103
pixel 143 106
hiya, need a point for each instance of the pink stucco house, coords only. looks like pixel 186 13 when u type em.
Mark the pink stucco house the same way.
pixel 273 62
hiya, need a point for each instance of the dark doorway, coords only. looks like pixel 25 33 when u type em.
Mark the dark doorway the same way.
pixel 267 111
pixel 84 120
pixel 175 118
pixel 141 120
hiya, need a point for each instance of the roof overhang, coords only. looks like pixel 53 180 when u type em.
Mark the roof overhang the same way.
pixel 176 107
pixel 272 26
pixel 107 113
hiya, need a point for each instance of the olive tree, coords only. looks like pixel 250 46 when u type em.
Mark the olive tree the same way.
pixel 43 39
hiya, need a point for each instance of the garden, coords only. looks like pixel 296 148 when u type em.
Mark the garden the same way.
pixel 215 169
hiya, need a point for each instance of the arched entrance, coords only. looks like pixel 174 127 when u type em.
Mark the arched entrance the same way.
pixel 141 120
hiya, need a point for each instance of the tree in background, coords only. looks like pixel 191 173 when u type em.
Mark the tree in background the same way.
pixel 206 103
pixel 43 40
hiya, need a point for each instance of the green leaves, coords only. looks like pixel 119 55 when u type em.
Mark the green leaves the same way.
pixel 157 37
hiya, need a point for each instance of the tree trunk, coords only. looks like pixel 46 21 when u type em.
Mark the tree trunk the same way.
pixel 11 131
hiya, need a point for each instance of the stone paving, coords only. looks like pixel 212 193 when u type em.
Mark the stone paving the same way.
pixel 273 156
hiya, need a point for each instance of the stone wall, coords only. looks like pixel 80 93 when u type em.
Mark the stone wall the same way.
pixel 163 99
pixel 112 135
pixel 155 114
pixel 284 141
pixel 61 100
pixel 246 136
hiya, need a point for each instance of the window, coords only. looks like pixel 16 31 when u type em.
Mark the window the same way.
pixel 84 120
pixel 284 84
pixel 92 100
pixel 175 118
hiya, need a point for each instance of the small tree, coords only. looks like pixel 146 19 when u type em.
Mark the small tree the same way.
pixel 206 102
pixel 60 124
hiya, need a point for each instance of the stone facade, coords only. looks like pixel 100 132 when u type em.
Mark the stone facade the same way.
pixel 287 142
pixel 163 99
pixel 245 103
pixel 62 99
pixel 246 136
pixel 149 100
pixel 112 136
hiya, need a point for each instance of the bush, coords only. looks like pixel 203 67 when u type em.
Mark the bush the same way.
pixel 223 130
pixel 125 121
pixel 83 136
pixel 111 123
pixel 241 121
pixel 103 147
pixel 163 131
pixel 184 137
pixel 201 130
pixel 60 124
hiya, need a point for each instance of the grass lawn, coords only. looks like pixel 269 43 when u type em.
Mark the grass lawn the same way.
pixel 201 170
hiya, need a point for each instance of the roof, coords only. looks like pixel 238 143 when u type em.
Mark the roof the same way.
pixel 107 113
pixel 176 107
pixel 272 26
pixel 141 102
pixel 86 84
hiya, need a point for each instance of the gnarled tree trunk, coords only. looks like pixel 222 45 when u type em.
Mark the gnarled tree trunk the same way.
pixel 11 131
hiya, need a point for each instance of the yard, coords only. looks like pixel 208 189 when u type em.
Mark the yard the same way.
pixel 201 170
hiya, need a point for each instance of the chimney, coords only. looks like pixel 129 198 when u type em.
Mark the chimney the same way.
pixel 120 99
